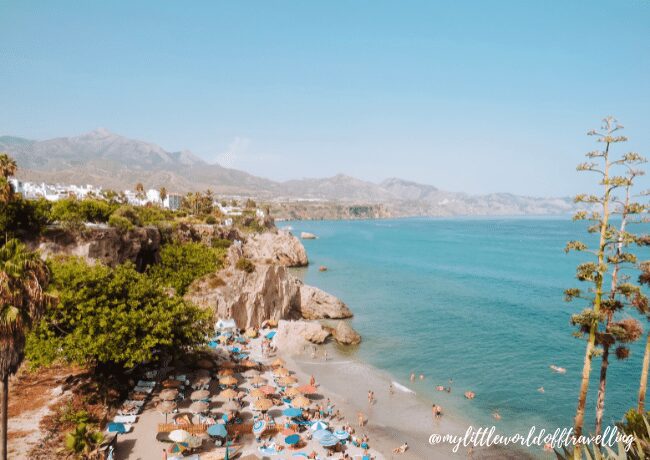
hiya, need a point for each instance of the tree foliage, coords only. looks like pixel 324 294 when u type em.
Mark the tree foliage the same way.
pixel 112 317
pixel 181 264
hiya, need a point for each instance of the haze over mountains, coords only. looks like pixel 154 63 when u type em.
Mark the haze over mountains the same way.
pixel 112 161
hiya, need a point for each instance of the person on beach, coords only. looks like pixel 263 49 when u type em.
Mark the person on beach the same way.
pixel 433 411
pixel 401 449
pixel 391 390
pixel 360 419
pixel 438 412
pixel 325 356
pixel 164 454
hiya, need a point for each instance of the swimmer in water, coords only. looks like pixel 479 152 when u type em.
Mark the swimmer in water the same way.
pixel 541 389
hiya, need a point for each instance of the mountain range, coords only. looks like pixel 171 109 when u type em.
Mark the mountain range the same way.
pixel 106 159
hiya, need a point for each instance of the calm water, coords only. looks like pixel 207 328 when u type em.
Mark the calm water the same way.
pixel 479 301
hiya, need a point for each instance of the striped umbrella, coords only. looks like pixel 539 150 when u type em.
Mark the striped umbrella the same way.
pixel 281 371
pixel 287 380
pixel 319 425
pixel 341 434
pixel 321 434
pixel 179 435
pixel 258 380
pixel 329 440
pixel 259 427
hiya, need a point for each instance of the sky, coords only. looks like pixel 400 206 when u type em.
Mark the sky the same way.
pixel 474 96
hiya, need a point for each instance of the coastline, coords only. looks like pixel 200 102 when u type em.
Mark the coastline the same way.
pixel 393 419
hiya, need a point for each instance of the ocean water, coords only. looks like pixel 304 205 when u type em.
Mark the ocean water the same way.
pixel 479 301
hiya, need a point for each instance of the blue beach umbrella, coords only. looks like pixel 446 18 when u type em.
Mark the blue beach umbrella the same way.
pixel 217 429
pixel 292 412
pixel 318 425
pixel 341 434
pixel 270 335
pixel 259 426
pixel 116 428
pixel 329 440
pixel 321 434
pixel 292 440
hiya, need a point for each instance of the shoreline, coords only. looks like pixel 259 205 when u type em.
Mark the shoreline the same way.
pixel 393 419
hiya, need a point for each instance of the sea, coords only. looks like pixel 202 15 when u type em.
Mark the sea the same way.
pixel 475 304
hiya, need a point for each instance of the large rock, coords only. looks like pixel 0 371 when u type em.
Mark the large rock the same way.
pixel 318 304
pixel 344 334
pixel 269 292
pixel 307 236
pixel 281 248
pixel 293 336
pixel 112 246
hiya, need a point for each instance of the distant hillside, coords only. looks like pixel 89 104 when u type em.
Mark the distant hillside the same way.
pixel 113 161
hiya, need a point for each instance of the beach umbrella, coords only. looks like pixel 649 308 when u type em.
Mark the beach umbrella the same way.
pixel 287 380
pixel 201 381
pixel 116 428
pixel 257 393
pixel 178 448
pixel 318 425
pixel 321 434
pixel 258 380
pixel 301 401
pixel 279 362
pixel 198 407
pixel 171 383
pixel 341 434
pixel 228 380
pixel 225 372
pixel 270 335
pixel 179 435
pixel 168 395
pixel 291 392
pixel 263 404
pixel 329 440
pixel 281 371
pixel 259 427
pixel 231 406
pixel 199 395
pixel 166 407
pixel 205 363
pixel 250 333
pixel 292 412
pixel 228 393
pixel 228 365
pixel 217 429
pixel 267 389
pixel 307 389
pixel 292 440
pixel 248 363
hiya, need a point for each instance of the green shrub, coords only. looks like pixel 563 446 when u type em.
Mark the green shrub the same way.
pixel 120 222
pixel 73 212
pixel 24 218
pixel 129 213
pixel 245 264
pixel 220 243
pixel 210 220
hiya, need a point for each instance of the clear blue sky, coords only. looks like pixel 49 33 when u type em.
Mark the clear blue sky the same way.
pixel 475 96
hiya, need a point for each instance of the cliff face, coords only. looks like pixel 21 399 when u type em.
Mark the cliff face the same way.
pixel 108 245
pixel 281 248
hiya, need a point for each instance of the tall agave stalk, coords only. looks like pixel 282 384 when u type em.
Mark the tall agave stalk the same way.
pixel 593 272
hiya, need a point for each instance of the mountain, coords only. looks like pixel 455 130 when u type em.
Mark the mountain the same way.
pixel 112 161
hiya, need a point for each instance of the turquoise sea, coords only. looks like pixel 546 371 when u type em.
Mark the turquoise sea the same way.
pixel 479 301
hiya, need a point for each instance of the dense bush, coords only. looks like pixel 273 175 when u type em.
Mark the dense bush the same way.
pixel 126 212
pixel 245 264
pixel 74 212
pixel 112 318
pixel 22 218
pixel 180 264
pixel 220 243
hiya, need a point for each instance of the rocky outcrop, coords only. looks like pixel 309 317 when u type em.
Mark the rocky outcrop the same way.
pixel 307 236
pixel 112 246
pixel 318 304
pixel 281 248
pixel 268 292
pixel 345 335
pixel 293 336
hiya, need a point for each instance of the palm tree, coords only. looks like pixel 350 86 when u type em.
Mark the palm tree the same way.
pixel 139 191
pixel 7 169
pixel 163 194
pixel 23 279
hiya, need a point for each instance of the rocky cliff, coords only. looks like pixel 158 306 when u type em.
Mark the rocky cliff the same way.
pixel 281 248
pixel 108 245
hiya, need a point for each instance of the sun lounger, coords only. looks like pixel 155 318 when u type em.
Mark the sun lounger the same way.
pixel 125 419
pixel 146 383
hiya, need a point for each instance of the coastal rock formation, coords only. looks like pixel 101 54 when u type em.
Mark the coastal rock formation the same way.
pixel 345 335
pixel 281 248
pixel 140 245
pixel 293 336
pixel 268 292
pixel 307 236
pixel 318 304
